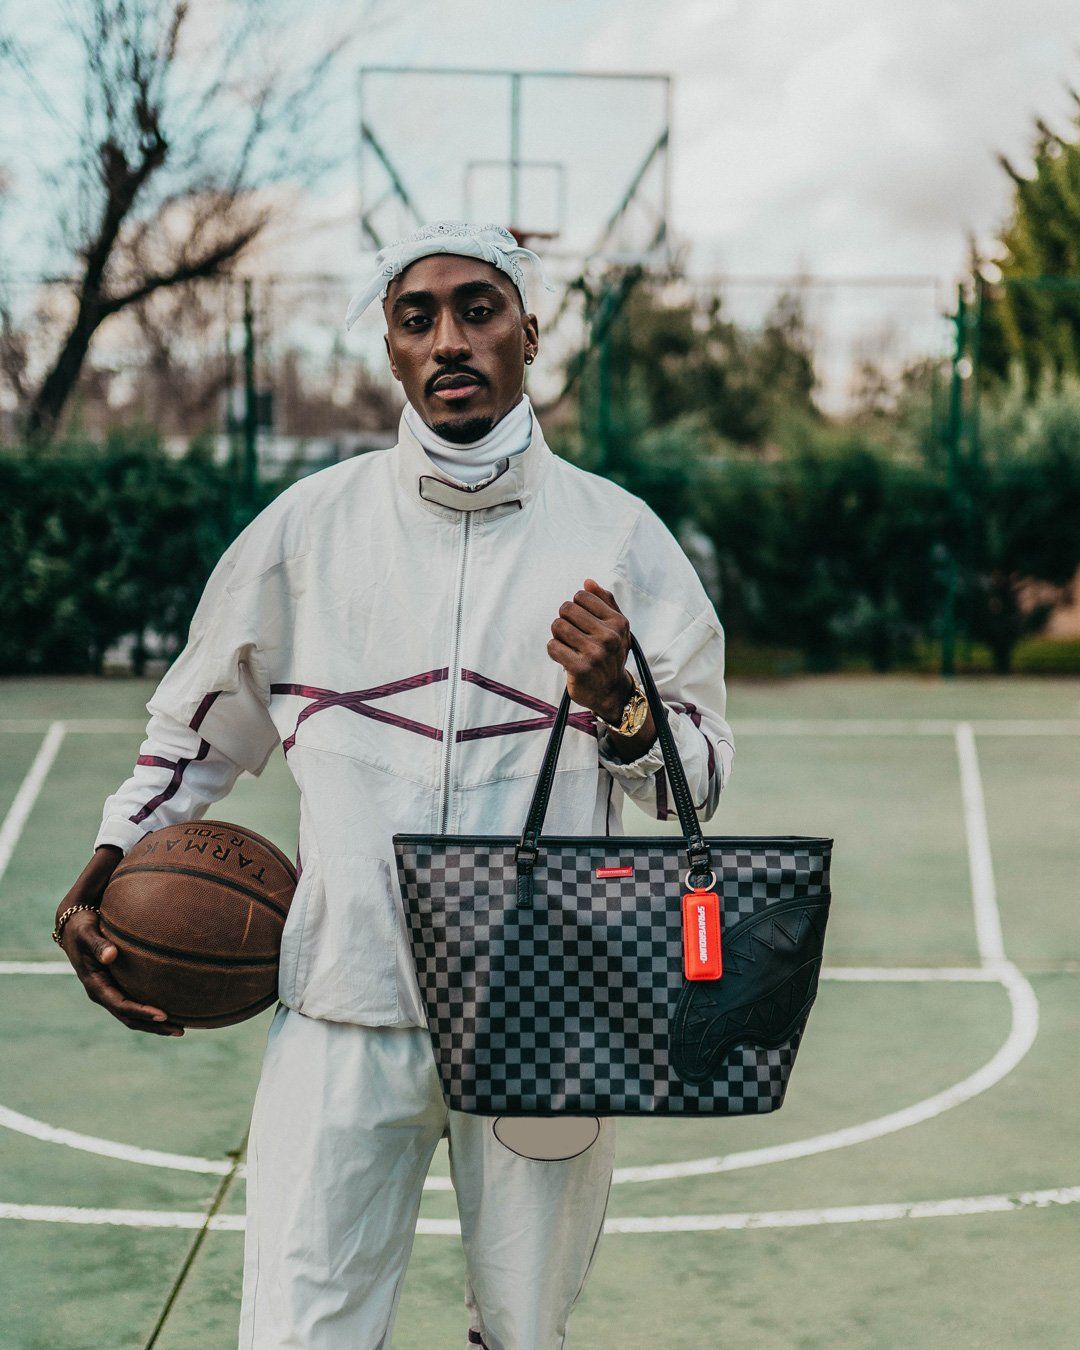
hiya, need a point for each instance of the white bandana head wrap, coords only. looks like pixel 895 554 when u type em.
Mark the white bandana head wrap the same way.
pixel 490 243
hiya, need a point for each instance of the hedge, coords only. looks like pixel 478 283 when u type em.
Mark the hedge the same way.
pixel 98 543
pixel 831 555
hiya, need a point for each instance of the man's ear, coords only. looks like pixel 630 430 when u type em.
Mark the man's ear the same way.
pixel 531 328
pixel 390 358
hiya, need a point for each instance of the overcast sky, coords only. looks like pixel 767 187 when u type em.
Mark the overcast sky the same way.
pixel 839 137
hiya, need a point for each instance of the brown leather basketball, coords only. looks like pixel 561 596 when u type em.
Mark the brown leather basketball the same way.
pixel 196 912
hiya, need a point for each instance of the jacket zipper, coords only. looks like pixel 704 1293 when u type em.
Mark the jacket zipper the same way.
pixel 448 734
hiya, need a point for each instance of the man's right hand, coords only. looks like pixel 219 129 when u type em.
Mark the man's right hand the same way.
pixel 91 952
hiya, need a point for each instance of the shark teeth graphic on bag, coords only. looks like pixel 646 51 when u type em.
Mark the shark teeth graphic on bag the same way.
pixel 768 1001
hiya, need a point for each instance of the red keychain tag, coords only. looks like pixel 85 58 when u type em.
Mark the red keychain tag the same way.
pixel 701 936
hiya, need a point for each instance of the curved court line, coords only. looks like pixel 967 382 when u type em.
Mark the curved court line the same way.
pixel 1025 1025
pixel 988 935
pixel 677 1223
pixel 109 1148
pixel 994 966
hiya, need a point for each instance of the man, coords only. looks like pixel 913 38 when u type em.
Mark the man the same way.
pixel 383 621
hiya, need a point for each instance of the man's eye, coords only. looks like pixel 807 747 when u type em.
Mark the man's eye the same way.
pixel 413 320
pixel 479 309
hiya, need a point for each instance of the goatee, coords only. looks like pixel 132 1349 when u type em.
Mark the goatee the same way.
pixel 464 433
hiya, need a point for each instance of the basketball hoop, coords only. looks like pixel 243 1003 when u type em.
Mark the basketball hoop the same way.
pixel 524 236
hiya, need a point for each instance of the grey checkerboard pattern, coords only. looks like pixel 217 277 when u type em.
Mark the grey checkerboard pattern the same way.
pixel 565 1007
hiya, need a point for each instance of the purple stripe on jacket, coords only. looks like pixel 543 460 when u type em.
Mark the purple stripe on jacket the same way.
pixel 156 761
pixel 357 701
pixel 172 787
pixel 203 708
pixel 695 717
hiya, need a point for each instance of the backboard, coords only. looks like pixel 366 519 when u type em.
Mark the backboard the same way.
pixel 577 165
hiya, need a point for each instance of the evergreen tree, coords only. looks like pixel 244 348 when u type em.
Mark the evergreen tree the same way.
pixel 1037 326
pixel 666 360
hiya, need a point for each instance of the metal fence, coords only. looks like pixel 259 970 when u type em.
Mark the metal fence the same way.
pixel 264 366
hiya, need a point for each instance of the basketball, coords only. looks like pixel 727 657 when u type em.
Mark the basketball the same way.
pixel 196 911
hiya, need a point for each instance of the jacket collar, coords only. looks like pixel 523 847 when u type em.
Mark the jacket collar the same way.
pixel 516 481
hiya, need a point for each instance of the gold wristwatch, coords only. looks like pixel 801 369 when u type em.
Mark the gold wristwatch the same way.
pixel 634 713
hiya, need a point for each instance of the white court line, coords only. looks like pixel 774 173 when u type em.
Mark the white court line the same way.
pixel 1024 1025
pixel 899 726
pixel 914 974
pixel 28 791
pixel 1005 1203
pixel 109 1148
pixel 96 726
pixel 1024 1028
pixel 15 1120
pixel 809 1218
pixel 1022 1033
pixel 980 862
pixel 36 968
pixel 884 974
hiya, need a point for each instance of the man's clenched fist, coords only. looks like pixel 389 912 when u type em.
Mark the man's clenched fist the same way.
pixel 591 640
pixel 91 953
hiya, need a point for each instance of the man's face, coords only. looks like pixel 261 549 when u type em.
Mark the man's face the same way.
pixel 457 339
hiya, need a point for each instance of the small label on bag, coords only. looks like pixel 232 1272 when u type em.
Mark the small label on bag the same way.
pixel 614 871
pixel 701 936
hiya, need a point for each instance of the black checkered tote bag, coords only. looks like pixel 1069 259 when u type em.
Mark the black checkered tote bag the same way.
pixel 561 976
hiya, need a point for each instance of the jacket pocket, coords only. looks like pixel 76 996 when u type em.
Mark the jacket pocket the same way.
pixel 338 951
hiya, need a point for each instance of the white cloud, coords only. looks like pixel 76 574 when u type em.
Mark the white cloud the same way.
pixel 856 135
pixel 850 135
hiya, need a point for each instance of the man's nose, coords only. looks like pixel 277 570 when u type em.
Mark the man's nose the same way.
pixel 450 341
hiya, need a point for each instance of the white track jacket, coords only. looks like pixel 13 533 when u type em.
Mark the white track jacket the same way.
pixel 388 629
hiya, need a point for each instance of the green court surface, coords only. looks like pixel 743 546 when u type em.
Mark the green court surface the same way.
pixel 920 1186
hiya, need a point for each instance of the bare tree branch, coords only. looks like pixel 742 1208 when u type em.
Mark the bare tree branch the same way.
pixel 190 113
pixel 210 264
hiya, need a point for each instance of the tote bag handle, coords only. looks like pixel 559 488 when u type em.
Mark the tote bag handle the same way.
pixel 528 848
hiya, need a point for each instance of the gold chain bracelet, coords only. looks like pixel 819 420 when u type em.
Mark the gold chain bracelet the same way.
pixel 73 909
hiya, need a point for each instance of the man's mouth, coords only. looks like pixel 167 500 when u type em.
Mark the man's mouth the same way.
pixel 453 388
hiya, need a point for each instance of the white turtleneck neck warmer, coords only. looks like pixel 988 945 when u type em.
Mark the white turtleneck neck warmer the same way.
pixel 477 460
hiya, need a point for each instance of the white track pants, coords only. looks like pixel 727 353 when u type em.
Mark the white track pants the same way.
pixel 345 1122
